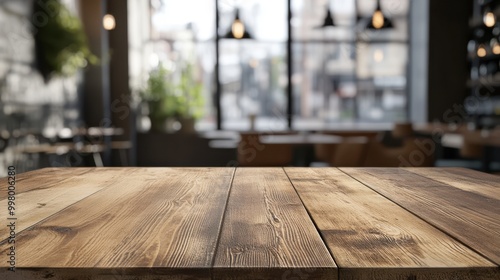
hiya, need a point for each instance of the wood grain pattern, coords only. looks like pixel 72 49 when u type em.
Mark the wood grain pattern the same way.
pixel 164 218
pixel 470 216
pixel 267 233
pixel 465 179
pixel 369 235
pixel 42 179
pixel 251 223
pixel 42 193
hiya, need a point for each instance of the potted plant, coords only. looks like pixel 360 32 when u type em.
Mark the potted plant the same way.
pixel 60 44
pixel 171 100
pixel 190 99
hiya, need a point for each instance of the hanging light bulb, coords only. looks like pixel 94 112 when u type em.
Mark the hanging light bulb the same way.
pixel 108 22
pixel 495 46
pixel 238 30
pixel 481 51
pixel 379 20
pixel 489 19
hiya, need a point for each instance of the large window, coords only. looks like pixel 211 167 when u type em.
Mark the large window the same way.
pixel 344 73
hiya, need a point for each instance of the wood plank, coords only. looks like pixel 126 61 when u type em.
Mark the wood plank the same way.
pixel 41 179
pixel 42 193
pixel 471 217
pixel 267 233
pixel 371 237
pixel 163 221
pixel 465 179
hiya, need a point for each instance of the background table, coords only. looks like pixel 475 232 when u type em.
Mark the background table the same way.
pixel 254 223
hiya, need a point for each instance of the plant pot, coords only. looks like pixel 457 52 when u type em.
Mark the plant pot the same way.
pixel 164 125
pixel 187 125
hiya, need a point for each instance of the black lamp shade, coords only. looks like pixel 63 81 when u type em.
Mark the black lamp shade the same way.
pixel 328 22
pixel 231 34
pixel 386 24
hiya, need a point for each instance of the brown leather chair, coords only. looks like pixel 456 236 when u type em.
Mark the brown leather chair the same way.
pixel 415 152
pixel 350 152
pixel 402 130
pixel 471 148
pixel 341 152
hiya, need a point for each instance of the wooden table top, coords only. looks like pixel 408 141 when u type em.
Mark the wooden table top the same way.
pixel 253 223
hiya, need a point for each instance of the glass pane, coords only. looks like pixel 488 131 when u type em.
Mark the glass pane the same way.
pixel 265 20
pixel 253 79
pixel 389 59
pixel 394 10
pixel 382 82
pixel 390 8
pixel 309 15
pixel 324 84
pixel 378 104
pixel 181 20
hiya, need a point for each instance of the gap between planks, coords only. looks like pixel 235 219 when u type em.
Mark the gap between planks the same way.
pixel 314 222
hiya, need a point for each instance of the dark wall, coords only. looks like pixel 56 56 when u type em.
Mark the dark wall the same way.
pixel 107 93
pixel 93 106
pixel 121 113
pixel 448 69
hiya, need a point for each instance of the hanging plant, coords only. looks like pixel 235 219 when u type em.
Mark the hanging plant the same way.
pixel 61 45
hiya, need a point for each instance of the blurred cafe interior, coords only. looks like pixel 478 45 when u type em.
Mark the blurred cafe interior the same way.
pixel 358 83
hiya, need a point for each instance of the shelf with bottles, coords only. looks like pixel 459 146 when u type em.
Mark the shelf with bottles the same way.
pixel 485 44
pixel 486 11
pixel 484 25
pixel 485 112
pixel 489 81
pixel 485 69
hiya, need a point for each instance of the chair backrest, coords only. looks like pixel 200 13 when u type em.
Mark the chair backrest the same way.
pixel 415 152
pixel 402 130
pixel 338 154
pixel 470 148
pixel 351 152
